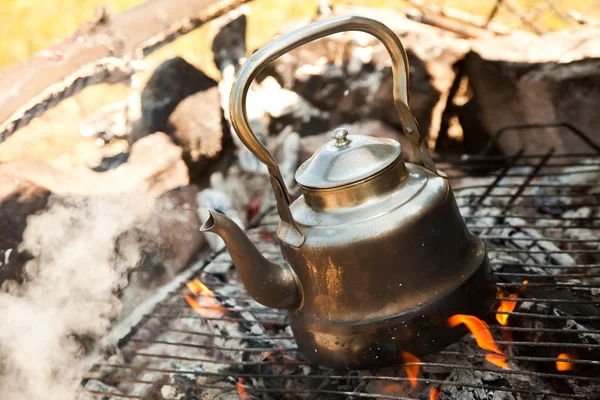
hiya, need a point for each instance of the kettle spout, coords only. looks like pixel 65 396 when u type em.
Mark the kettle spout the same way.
pixel 269 284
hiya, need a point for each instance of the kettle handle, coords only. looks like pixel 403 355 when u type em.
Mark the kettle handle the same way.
pixel 258 61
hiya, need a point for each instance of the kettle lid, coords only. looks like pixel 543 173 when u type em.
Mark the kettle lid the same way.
pixel 347 159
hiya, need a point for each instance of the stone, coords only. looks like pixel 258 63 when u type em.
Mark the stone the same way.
pixel 197 127
pixel 154 167
pixel 18 200
pixel 229 44
pixel 349 74
pixel 507 93
pixel 172 237
pixel 113 121
pixel 171 82
pixel 288 109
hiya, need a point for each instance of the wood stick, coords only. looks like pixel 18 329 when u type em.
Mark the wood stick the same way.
pixel 582 19
pixel 461 16
pixel 523 17
pixel 448 24
pixel 102 50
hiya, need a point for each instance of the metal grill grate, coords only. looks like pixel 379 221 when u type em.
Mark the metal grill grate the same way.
pixel 539 215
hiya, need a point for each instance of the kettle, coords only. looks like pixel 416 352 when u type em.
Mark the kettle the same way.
pixel 377 255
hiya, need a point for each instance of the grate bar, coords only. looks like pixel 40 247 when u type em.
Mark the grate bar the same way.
pixel 544 316
pixel 347 393
pixel 550 301
pixel 334 376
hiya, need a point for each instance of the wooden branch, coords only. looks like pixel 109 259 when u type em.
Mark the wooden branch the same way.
pixel 461 16
pixel 492 13
pixel 527 20
pixel 582 19
pixel 448 24
pixel 102 50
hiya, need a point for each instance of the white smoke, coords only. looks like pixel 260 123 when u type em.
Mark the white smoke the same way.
pixel 81 258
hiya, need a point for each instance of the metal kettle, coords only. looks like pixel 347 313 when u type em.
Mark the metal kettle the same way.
pixel 377 255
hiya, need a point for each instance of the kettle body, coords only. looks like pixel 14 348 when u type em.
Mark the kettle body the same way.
pixel 383 276
pixel 377 255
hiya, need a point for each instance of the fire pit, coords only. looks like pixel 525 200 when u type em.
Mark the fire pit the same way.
pixel 539 215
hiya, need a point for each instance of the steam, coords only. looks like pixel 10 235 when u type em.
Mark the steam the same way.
pixel 82 254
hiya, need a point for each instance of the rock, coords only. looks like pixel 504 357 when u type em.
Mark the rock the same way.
pixel 154 166
pixel 111 162
pixel 229 44
pixel 288 109
pixel 18 200
pixel 171 82
pixel 507 93
pixel 171 236
pixel 349 75
pixel 370 127
pixel 114 121
pixel 198 130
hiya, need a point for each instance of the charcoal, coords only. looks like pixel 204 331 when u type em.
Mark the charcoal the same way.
pixel 111 162
pixel 99 386
pixel 18 200
pixel 229 45
pixel 114 121
pixel 196 126
pixel 349 77
pixel 171 82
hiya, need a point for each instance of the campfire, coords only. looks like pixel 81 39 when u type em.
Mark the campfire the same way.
pixel 531 195
pixel 541 341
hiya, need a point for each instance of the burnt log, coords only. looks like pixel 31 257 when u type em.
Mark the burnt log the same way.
pixel 101 50
pixel 553 79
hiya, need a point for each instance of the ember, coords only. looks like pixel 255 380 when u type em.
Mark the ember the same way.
pixel 197 287
pixel 412 367
pixel 241 391
pixel 207 306
pixel 483 337
pixel 564 365
pixel 434 394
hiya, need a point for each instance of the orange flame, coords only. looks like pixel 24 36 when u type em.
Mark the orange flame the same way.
pixel 241 391
pixel 564 365
pixel 267 355
pixel 207 306
pixel 197 287
pixel 483 337
pixel 434 394
pixel 412 371
pixel 508 305
pixel 391 389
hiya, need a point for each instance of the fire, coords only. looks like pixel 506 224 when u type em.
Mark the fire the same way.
pixel 483 337
pixel 241 391
pixel 197 287
pixel 434 394
pixel 412 370
pixel 271 355
pixel 206 305
pixel 508 305
pixel 564 365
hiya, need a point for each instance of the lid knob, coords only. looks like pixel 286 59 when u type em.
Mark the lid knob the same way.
pixel 339 134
